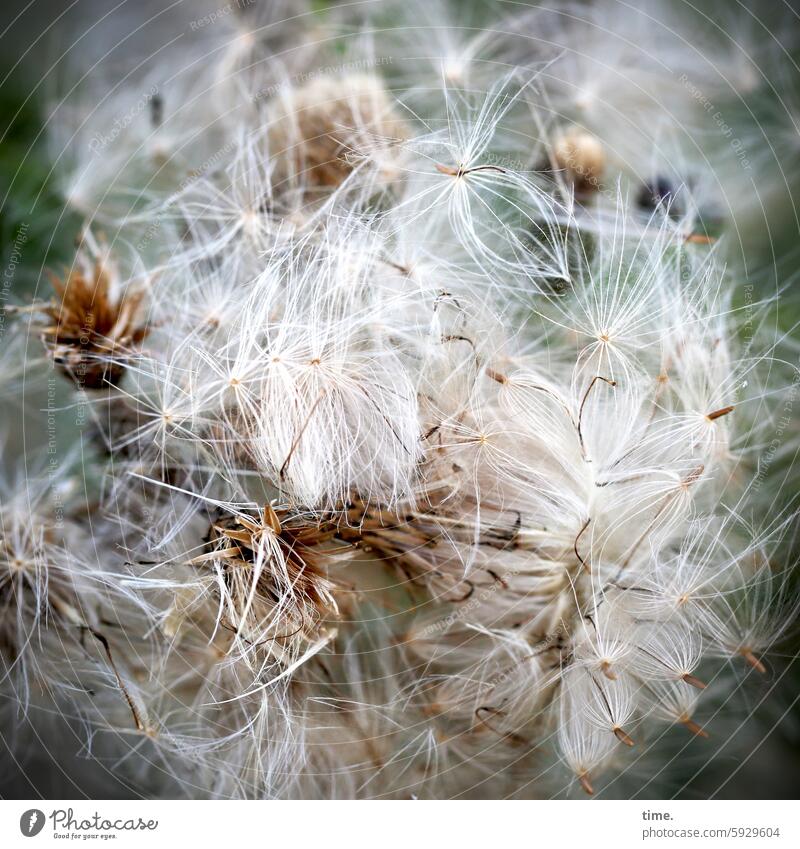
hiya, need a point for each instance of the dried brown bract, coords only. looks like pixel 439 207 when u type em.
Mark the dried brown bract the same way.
pixel 273 576
pixel 92 328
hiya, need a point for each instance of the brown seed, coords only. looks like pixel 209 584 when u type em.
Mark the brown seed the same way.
pixel 753 661
pixel 623 737
pixel 719 413
pixel 694 727
pixel 605 668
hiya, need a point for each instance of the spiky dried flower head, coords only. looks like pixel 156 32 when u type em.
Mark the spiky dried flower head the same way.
pixel 273 579
pixel 322 130
pixel 95 324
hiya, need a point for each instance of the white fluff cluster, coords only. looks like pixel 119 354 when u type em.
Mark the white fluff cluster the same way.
pixel 424 422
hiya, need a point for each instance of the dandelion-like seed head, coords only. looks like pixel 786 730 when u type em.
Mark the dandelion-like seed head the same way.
pixel 430 457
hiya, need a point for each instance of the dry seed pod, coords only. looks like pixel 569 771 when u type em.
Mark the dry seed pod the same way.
pixel 278 594
pixel 92 327
pixel 321 129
